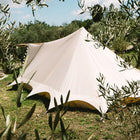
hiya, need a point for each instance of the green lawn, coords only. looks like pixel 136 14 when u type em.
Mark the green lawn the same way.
pixel 83 125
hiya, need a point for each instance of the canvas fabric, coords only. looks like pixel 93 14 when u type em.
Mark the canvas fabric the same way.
pixel 73 63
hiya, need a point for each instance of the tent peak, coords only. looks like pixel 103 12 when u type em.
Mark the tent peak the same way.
pixel 83 29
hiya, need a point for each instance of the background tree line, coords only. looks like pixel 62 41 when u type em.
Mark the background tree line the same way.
pixel 37 31
pixel 116 28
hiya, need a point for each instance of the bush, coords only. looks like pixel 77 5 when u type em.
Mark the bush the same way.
pixel 119 44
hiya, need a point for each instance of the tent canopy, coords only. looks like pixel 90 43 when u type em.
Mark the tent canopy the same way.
pixel 72 63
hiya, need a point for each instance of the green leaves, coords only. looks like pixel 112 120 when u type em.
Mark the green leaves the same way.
pixel 96 12
pixel 54 124
pixel 61 98
pixel 38 1
pixel 43 5
pixel 25 65
pixel 58 116
pixel 3 112
pixel 4 9
pixel 15 76
pixel 22 136
pixel 37 134
pixel 56 120
pixel 15 125
pixel 55 103
pixel 31 77
pixel 50 121
pixel 9 134
pixel 34 3
pixel 17 1
pixel 63 130
pixel 87 40
pixel 19 94
pixel 7 131
pixel 65 110
pixel 29 1
pixel 28 116
pixel 1 133
pixel 67 98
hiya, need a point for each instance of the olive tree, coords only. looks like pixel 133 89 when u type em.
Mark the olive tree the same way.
pixel 6 58
pixel 120 27
pixel 132 8
pixel 7 51
pixel 121 24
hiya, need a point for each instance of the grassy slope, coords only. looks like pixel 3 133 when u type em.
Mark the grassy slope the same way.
pixel 82 124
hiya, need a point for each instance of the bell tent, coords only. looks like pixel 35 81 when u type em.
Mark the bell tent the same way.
pixel 73 63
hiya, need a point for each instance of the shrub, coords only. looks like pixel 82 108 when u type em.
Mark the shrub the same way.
pixel 119 44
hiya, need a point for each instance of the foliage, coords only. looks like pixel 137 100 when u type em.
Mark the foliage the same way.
pixel 41 32
pixel 6 50
pixel 34 4
pixel 5 16
pixel 117 25
pixel 7 53
pixel 4 9
pixel 86 23
pixel 120 44
pixel 96 12
pixel 109 21
pixel 8 132
pixel 131 8
pixel 114 25
pixel 58 117
pixel 117 100
pixel 53 123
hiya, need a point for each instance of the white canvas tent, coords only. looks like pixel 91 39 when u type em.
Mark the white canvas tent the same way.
pixel 72 63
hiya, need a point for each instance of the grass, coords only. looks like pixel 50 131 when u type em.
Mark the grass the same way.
pixel 83 125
